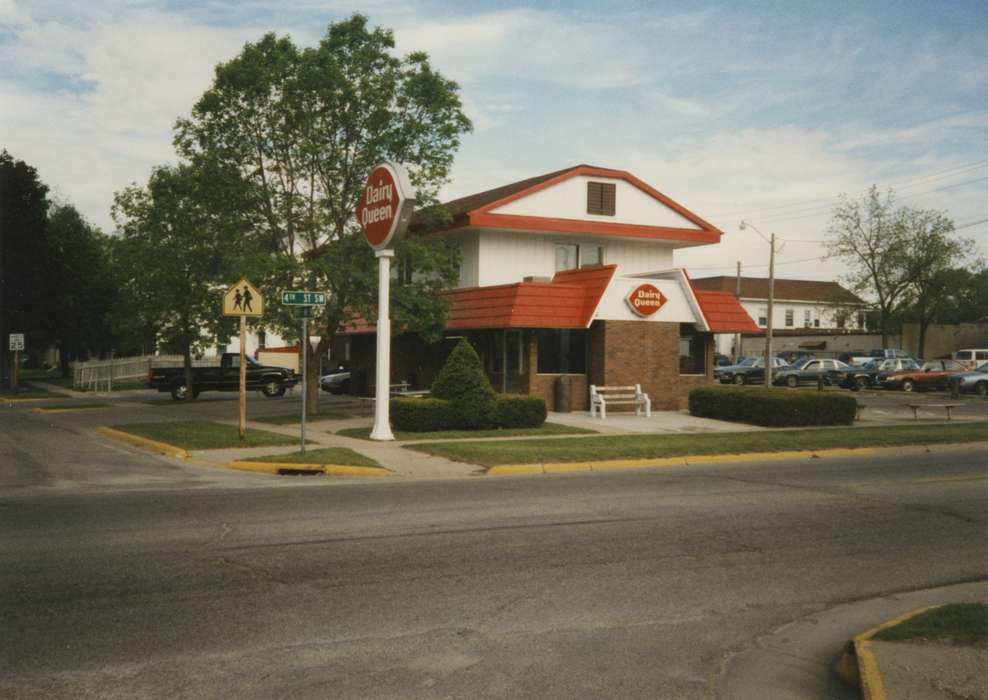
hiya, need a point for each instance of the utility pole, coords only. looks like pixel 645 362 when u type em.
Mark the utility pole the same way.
pixel 737 336
pixel 771 301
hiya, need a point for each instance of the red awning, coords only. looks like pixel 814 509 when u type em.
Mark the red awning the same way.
pixel 568 301
pixel 724 313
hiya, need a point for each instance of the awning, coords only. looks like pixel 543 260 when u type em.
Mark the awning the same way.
pixel 724 313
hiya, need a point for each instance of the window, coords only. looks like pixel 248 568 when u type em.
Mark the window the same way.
pixel 807 318
pixel 562 351
pixel 816 321
pixel 566 257
pixel 261 340
pixel 570 256
pixel 763 316
pixel 692 350
pixel 591 255
pixel 861 320
pixel 601 197
pixel 789 318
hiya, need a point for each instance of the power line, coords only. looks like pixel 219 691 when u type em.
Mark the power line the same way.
pixel 905 184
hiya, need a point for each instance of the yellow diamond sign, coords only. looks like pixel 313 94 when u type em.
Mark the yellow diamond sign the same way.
pixel 242 299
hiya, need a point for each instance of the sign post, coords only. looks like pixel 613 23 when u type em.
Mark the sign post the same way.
pixel 243 300
pixel 303 301
pixel 384 212
pixel 16 344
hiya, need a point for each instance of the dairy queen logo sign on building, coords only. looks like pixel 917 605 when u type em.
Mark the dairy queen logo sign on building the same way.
pixel 645 299
pixel 386 205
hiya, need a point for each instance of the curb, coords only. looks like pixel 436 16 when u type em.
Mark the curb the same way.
pixel 146 443
pixel 294 467
pixel 684 461
pixel 11 400
pixel 858 665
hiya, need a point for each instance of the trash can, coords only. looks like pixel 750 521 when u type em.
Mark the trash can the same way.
pixel 561 394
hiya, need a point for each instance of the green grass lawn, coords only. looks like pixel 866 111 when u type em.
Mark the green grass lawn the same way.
pixel 324 455
pixel 544 429
pixel 964 624
pixel 202 435
pixel 297 417
pixel 489 454
pixel 72 406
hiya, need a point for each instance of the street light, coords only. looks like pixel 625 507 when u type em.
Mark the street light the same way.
pixel 771 299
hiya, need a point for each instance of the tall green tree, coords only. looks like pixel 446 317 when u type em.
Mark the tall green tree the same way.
pixel 174 251
pixel 303 128
pixel 24 283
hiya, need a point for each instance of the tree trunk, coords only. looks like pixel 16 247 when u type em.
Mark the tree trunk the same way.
pixel 187 365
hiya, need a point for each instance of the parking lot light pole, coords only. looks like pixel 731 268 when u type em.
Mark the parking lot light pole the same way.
pixel 771 300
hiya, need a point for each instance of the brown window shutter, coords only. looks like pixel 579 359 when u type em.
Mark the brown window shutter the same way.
pixel 601 197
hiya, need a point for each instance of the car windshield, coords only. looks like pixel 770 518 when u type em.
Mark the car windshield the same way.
pixel 983 369
pixel 747 362
pixel 801 364
pixel 873 364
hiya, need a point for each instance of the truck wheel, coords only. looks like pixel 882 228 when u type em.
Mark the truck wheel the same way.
pixel 792 381
pixel 180 391
pixel 739 379
pixel 272 389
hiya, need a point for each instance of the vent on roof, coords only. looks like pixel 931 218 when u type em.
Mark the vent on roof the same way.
pixel 601 198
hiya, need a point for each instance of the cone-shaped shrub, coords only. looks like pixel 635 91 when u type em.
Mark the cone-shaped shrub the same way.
pixel 463 383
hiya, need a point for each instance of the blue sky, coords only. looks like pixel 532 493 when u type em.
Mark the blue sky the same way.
pixel 762 111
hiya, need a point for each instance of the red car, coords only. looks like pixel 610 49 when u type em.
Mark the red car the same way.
pixel 934 374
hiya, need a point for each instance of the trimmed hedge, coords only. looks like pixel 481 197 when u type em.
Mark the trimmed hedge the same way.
pixel 520 411
pixel 464 384
pixel 773 408
pixel 420 415
pixel 426 415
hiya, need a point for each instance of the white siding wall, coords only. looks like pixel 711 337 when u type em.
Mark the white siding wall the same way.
pixel 504 257
pixel 470 259
pixel 568 200
pixel 824 312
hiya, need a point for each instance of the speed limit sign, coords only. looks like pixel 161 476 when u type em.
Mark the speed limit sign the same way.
pixel 16 341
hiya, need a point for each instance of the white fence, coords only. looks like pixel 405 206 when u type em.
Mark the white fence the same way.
pixel 100 375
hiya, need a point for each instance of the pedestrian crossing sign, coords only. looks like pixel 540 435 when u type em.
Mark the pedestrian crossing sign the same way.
pixel 243 299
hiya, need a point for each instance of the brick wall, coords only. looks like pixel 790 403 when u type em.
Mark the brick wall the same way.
pixel 646 353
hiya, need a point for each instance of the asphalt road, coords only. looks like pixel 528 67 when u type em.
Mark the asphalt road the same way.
pixel 123 575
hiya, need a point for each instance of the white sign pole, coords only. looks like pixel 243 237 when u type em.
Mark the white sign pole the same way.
pixel 382 394
pixel 305 374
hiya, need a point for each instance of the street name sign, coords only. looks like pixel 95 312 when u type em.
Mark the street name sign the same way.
pixel 302 298
pixel 385 206
pixel 243 299
pixel 16 341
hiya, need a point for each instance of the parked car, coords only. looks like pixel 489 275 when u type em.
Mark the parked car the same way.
pixel 719 370
pixel 750 371
pixel 972 359
pixel 863 377
pixel 338 381
pixel 272 381
pixel 809 371
pixel 879 354
pixel 976 381
pixel 793 356
pixel 721 360
pixel 934 374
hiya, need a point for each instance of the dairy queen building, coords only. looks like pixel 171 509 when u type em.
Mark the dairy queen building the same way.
pixel 570 274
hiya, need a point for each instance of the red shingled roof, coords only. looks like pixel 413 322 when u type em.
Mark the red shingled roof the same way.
pixel 568 301
pixel 724 312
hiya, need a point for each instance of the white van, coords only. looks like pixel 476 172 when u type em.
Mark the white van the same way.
pixel 972 359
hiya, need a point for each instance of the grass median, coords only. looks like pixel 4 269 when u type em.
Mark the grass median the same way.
pixel 962 624
pixel 201 435
pixel 491 454
pixel 544 429
pixel 28 391
pixel 324 455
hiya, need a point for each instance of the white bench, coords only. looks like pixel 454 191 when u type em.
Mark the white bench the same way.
pixel 603 396
pixel 946 406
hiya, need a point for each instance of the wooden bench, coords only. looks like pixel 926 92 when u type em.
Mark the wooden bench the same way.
pixel 603 396
pixel 946 406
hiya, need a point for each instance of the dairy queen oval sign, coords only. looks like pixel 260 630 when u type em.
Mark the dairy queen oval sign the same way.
pixel 385 206
pixel 645 299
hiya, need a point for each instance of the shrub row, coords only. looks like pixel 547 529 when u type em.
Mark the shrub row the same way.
pixel 426 415
pixel 773 408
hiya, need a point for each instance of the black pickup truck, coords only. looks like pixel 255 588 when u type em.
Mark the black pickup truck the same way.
pixel 272 381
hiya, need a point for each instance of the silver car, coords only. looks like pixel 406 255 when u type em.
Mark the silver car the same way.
pixel 976 381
